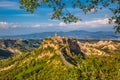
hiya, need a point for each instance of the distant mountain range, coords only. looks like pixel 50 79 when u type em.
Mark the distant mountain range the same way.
pixel 72 34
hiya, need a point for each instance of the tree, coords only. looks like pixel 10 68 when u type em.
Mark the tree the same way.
pixel 61 12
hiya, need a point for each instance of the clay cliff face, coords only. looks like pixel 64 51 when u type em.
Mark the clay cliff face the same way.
pixel 63 44
pixel 72 47
pixel 68 48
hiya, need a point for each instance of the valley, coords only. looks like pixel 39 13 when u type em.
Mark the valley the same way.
pixel 10 47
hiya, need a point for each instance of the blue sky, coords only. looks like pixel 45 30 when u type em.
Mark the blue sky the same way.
pixel 14 21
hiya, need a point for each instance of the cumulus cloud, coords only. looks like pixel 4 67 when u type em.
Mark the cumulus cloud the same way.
pixel 37 25
pixel 101 24
pixel 62 24
pixel 93 24
pixel 5 25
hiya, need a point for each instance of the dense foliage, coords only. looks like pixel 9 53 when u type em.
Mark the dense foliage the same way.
pixel 99 68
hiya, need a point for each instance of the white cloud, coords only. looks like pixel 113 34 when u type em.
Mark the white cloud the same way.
pixel 92 11
pixel 5 25
pixel 53 20
pixel 50 24
pixel 93 24
pixel 37 25
pixel 9 4
pixel 98 24
pixel 62 24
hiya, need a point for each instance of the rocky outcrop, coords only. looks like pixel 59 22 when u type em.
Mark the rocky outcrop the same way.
pixel 63 43
pixel 15 51
pixel 102 48
pixel 68 48
pixel 65 47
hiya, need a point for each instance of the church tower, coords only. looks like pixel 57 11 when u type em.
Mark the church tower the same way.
pixel 56 35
